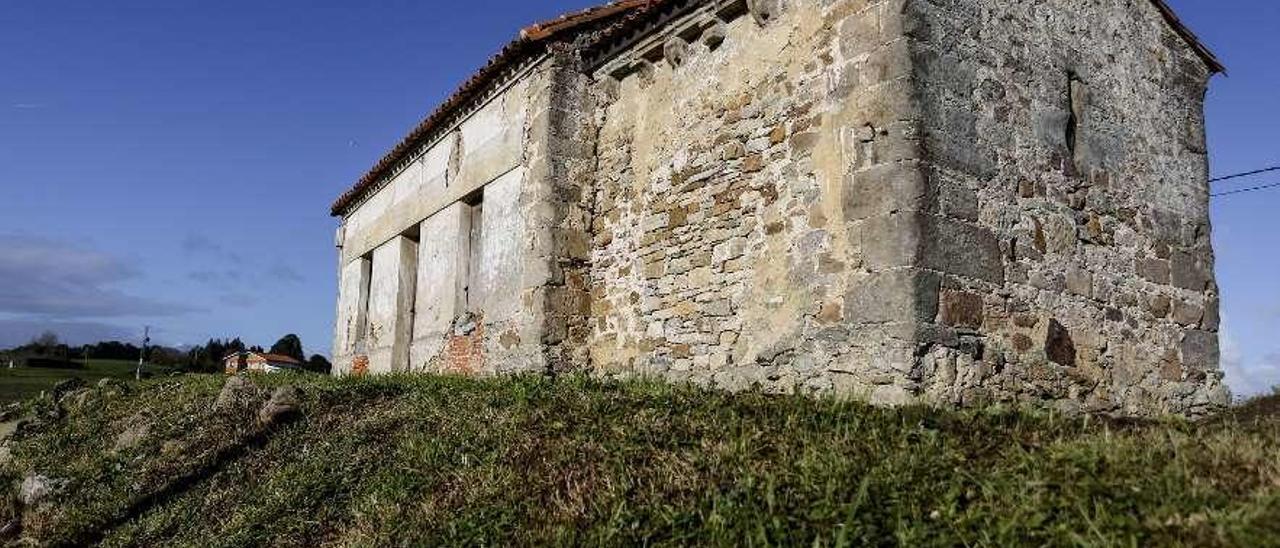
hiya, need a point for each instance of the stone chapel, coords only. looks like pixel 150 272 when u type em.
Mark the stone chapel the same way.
pixel 948 201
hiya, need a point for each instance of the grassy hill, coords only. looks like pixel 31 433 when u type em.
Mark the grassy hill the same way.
pixel 21 383
pixel 438 460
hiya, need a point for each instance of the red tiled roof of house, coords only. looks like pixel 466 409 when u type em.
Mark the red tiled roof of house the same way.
pixel 279 358
pixel 275 358
pixel 533 37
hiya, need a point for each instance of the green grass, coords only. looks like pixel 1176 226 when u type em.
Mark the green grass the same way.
pixel 22 383
pixel 441 460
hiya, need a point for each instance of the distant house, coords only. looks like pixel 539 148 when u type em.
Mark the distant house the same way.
pixel 259 362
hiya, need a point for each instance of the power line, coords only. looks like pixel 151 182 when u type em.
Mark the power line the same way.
pixel 1244 190
pixel 1245 174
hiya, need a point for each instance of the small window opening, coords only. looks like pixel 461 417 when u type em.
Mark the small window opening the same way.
pixel 471 250
pixel 362 307
pixel 1077 96
pixel 414 236
pixel 456 153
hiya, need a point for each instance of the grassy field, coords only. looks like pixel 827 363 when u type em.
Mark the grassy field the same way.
pixel 22 383
pixel 529 461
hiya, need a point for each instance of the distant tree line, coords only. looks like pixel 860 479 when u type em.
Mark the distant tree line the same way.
pixel 206 358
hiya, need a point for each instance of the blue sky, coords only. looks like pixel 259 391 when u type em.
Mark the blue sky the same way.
pixel 171 163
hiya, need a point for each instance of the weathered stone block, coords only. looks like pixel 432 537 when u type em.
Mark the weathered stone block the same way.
pixel 860 33
pixel 1187 314
pixel 887 63
pixel 1080 282
pixel 1212 319
pixel 1153 270
pixel 962 249
pixel 1188 272
pixel 958 202
pixel 1058 344
pixel 1159 306
pixel 764 11
pixel 1199 350
pixel 961 309
pixel 884 189
pixel 904 295
pixel 892 241
pixel 1059 234
pixel 676 51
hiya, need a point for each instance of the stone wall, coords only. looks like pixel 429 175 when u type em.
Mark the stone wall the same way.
pixel 952 201
pixel 722 252
pixel 557 200
pixel 1067 155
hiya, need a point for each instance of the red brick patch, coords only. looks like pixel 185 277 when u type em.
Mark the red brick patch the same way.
pixel 464 354
pixel 360 366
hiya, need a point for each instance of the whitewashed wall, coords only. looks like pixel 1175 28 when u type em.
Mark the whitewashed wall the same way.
pixel 425 277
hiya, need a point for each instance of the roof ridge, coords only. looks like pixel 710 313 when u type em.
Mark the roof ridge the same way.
pixel 549 27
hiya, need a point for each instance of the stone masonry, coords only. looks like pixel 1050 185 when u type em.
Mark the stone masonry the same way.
pixel 947 201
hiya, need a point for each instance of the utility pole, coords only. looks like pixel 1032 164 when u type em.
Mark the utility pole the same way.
pixel 146 338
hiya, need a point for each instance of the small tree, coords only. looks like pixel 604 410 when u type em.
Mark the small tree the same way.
pixel 289 345
pixel 318 364
pixel 46 343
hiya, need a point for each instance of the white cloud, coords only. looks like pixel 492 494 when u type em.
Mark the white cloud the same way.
pixel 47 279
pixel 1247 375
pixel 17 332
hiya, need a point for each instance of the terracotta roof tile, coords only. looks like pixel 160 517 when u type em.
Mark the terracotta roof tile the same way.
pixel 279 358
pixel 276 358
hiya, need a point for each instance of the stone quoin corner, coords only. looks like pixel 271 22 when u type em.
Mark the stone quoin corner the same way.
pixel 949 201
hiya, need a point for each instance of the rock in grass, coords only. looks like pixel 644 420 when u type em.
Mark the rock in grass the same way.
pixel 113 386
pixel 67 386
pixel 79 399
pixel 50 411
pixel 9 429
pixel 36 489
pixel 235 391
pixel 18 429
pixel 11 529
pixel 284 406
pixel 136 429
